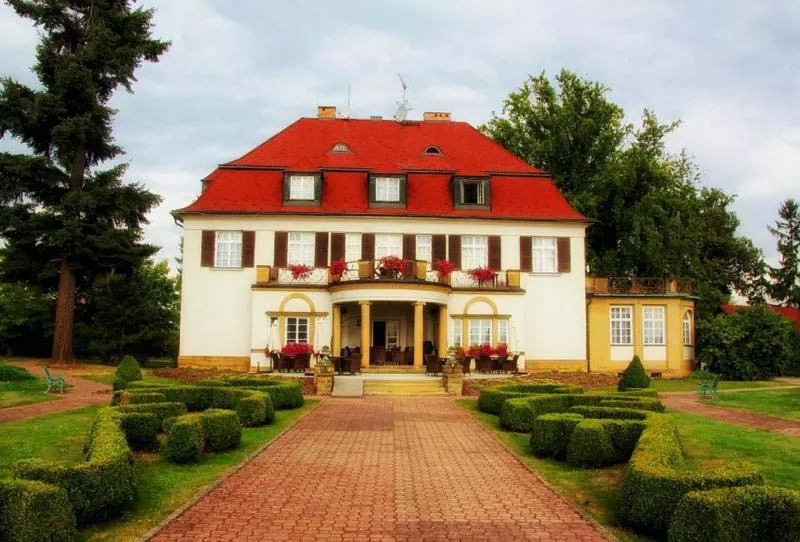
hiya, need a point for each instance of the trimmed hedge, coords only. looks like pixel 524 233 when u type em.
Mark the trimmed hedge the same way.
pixel 100 487
pixel 221 429
pixel 638 403
pixel 551 434
pixel 491 399
pixel 127 371
pixel 284 393
pixel 740 514
pixel 139 398
pixel 634 376
pixel 185 440
pixel 590 445
pixel 161 410
pixel 13 373
pixel 33 511
pixel 141 430
pixel 656 480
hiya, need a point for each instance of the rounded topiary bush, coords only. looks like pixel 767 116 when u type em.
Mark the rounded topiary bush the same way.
pixel 12 373
pixel 551 433
pixel 256 409
pixel 221 429
pixel 634 377
pixel 185 440
pixel 128 371
pixel 590 445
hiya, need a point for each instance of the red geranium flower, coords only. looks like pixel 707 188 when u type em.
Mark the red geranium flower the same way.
pixel 444 268
pixel 300 271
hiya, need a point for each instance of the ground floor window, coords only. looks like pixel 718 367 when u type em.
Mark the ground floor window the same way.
pixel 653 325
pixel 621 326
pixel 392 333
pixel 458 339
pixel 687 329
pixel 296 330
pixel 480 332
pixel 502 331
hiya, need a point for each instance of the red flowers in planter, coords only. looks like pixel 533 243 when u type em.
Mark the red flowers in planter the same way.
pixel 337 268
pixel 395 264
pixel 482 274
pixel 293 349
pixel 486 350
pixel 300 271
pixel 501 350
pixel 444 268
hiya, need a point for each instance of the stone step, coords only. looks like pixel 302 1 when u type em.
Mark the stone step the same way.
pixel 404 387
pixel 347 387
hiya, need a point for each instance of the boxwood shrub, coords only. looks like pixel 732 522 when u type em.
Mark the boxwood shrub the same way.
pixel 161 410
pixel 141 397
pixel 221 429
pixel 33 511
pixel 14 373
pixel 590 445
pixel 634 376
pixel 185 440
pixel 127 371
pixel 491 399
pixel 141 429
pixel 551 433
pixel 284 393
pixel 100 487
pixel 737 514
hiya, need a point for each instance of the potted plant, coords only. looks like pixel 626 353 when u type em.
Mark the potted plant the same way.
pixel 501 350
pixel 482 274
pixel 300 271
pixel 444 268
pixel 393 265
pixel 293 349
pixel 337 269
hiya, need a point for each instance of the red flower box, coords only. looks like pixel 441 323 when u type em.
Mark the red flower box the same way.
pixel 337 268
pixel 300 271
pixel 501 350
pixel 294 349
pixel 482 274
pixel 395 264
pixel 444 268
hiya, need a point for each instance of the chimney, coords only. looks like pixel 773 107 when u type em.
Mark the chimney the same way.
pixel 436 116
pixel 326 111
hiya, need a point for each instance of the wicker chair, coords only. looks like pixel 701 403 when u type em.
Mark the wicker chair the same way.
pixel 433 364
pixel 301 362
pixel 465 363
pixel 509 365
pixel 483 364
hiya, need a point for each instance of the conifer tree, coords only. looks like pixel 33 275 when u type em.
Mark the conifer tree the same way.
pixel 785 284
pixel 63 218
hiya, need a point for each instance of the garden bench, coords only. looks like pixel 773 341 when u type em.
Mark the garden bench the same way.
pixel 708 387
pixel 53 382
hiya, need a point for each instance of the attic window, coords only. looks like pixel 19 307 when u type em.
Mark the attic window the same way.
pixel 433 150
pixel 341 148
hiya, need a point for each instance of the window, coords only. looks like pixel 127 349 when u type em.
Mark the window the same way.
pixel 228 249
pixel 340 148
pixel 474 251
pixel 387 189
pixel 301 187
pixel 301 248
pixel 458 340
pixel 433 150
pixel 424 249
pixel 687 329
pixel 471 193
pixel 352 249
pixel 388 244
pixel 544 255
pixel 621 326
pixel 653 324
pixel 502 331
pixel 480 332
pixel 392 333
pixel 296 330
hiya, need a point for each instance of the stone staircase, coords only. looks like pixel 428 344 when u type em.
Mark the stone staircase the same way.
pixel 419 386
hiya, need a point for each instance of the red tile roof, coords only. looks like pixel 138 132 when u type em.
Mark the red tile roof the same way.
pixel 787 312
pixel 253 183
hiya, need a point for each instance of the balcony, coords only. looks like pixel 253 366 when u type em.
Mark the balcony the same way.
pixel 637 285
pixel 375 271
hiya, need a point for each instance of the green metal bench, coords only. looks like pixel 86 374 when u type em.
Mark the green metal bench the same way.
pixel 54 382
pixel 708 387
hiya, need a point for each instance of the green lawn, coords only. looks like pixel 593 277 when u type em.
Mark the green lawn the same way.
pixel 108 378
pixel 680 384
pixel 24 392
pixel 778 403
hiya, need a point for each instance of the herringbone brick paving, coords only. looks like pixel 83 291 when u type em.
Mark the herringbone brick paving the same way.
pixel 383 468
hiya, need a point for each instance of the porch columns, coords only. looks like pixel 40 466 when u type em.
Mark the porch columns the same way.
pixel 418 316
pixel 441 348
pixel 336 340
pixel 366 324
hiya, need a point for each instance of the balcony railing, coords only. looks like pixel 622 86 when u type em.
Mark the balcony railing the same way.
pixel 637 285
pixel 374 271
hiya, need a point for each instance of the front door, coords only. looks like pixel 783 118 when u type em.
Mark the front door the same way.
pixel 378 333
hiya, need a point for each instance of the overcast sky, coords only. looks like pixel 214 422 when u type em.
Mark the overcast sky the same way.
pixel 238 72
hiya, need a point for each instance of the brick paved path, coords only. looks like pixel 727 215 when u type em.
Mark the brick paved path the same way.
pixel 383 468
pixel 82 393
pixel 689 402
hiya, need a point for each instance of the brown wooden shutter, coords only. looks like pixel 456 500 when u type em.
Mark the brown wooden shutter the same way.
pixel 409 246
pixel 321 249
pixel 564 257
pixel 248 248
pixel 368 246
pixel 207 247
pixel 438 248
pixel 337 246
pixel 495 259
pixel 281 248
pixel 455 250
pixel 525 253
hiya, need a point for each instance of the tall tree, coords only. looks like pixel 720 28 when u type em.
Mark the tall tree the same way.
pixel 653 216
pixel 61 217
pixel 784 286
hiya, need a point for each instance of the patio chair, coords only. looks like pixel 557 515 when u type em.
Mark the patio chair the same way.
pixel 285 363
pixel 276 361
pixel 433 364
pixel 509 365
pixel 301 362
pixel 483 364
pixel 352 364
pixel 465 364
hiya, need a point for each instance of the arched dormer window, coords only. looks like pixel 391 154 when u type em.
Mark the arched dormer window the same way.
pixel 341 148
pixel 432 150
pixel 687 329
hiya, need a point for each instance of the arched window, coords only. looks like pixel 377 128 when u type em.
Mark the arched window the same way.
pixel 687 329
pixel 341 148
pixel 433 150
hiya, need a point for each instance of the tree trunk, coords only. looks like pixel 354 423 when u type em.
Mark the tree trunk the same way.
pixel 65 310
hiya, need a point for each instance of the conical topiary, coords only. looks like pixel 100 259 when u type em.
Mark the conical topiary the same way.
pixel 128 371
pixel 634 377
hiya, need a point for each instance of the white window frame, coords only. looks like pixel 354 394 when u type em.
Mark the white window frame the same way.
pixel 228 249
pixel 301 187
pixel 387 189
pixel 503 331
pixel 424 248
pixel 294 329
pixel 458 332
pixel 474 251
pixel 352 250
pixel 300 248
pixel 621 323
pixel 654 319
pixel 687 329
pixel 545 255
pixel 480 331
pixel 388 244
pixel 392 333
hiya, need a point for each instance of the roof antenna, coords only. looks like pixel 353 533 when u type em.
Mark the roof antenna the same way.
pixel 402 107
pixel 346 113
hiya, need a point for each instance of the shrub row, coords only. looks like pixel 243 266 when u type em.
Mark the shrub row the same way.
pixel 748 513
pixel 214 430
pixel 32 511
pixel 102 485
pixel 491 399
pixel 13 373
pixel 284 393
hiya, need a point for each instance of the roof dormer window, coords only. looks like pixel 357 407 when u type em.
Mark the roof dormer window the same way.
pixel 341 148
pixel 302 188
pixel 387 191
pixel 432 150
pixel 471 193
